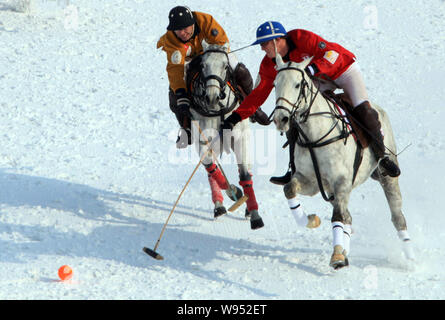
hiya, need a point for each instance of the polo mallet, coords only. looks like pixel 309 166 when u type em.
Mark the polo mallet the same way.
pixel 240 48
pixel 243 198
pixel 153 253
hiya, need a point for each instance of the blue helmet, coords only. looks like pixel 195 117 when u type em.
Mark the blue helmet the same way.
pixel 269 30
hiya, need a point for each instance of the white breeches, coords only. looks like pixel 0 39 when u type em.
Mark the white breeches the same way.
pixel 352 83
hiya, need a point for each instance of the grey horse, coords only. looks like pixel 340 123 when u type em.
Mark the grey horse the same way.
pixel 325 157
pixel 214 99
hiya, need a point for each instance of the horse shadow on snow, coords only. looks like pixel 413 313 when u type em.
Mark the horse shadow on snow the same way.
pixel 121 237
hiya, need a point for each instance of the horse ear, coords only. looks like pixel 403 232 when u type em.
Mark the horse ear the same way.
pixel 204 44
pixel 279 60
pixel 305 63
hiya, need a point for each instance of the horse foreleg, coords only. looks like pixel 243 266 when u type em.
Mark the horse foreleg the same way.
pixel 394 197
pixel 246 183
pixel 291 192
pixel 256 221
pixel 241 149
pixel 216 174
pixel 217 198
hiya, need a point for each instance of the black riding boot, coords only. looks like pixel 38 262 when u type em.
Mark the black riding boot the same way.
pixel 244 80
pixel 291 170
pixel 185 134
pixel 369 118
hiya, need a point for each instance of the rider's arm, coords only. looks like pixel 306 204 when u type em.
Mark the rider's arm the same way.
pixel 176 53
pixel 329 58
pixel 261 92
pixel 212 31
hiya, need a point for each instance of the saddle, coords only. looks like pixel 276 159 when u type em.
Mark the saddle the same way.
pixel 343 101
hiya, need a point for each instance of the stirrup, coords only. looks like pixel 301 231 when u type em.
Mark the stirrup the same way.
pixel 389 167
pixel 282 180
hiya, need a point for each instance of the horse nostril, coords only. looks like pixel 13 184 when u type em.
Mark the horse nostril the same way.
pixel 285 119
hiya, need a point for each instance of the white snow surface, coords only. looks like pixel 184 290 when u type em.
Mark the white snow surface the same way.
pixel 89 171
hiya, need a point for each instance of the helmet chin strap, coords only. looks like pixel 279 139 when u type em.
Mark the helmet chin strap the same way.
pixel 275 47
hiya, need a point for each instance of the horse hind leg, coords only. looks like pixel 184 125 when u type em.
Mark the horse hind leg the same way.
pixel 341 220
pixel 393 195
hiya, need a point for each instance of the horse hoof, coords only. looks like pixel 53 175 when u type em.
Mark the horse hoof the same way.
pixel 256 224
pixel 313 221
pixel 219 211
pixel 255 220
pixel 338 259
pixel 234 190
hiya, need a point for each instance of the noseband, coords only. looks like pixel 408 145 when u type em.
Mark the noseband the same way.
pixel 229 97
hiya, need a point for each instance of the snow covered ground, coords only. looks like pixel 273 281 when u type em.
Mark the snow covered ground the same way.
pixel 89 171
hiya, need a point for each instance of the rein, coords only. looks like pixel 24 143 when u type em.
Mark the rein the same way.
pixel 225 86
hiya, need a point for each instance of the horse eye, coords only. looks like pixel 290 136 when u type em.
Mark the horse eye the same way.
pixel 297 86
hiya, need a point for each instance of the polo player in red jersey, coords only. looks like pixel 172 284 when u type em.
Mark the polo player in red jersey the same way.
pixel 330 61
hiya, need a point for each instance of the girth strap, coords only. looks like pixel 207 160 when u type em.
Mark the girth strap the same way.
pixel 311 147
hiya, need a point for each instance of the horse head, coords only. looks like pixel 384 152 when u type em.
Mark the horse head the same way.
pixel 215 72
pixel 290 86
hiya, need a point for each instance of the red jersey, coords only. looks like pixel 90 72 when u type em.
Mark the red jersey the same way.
pixel 329 58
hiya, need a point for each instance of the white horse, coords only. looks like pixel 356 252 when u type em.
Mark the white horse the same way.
pixel 325 156
pixel 214 98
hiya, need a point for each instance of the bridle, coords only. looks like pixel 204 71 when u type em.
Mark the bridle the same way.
pixel 228 94
pixel 309 100
pixel 302 140
pixel 222 82
pixel 302 96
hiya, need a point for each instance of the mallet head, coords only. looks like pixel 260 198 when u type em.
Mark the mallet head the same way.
pixel 153 253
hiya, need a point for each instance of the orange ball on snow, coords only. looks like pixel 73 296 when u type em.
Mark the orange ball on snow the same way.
pixel 65 272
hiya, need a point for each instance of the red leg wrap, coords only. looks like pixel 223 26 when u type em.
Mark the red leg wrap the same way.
pixel 217 175
pixel 248 190
pixel 216 191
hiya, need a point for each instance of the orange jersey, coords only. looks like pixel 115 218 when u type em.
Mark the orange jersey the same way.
pixel 178 52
